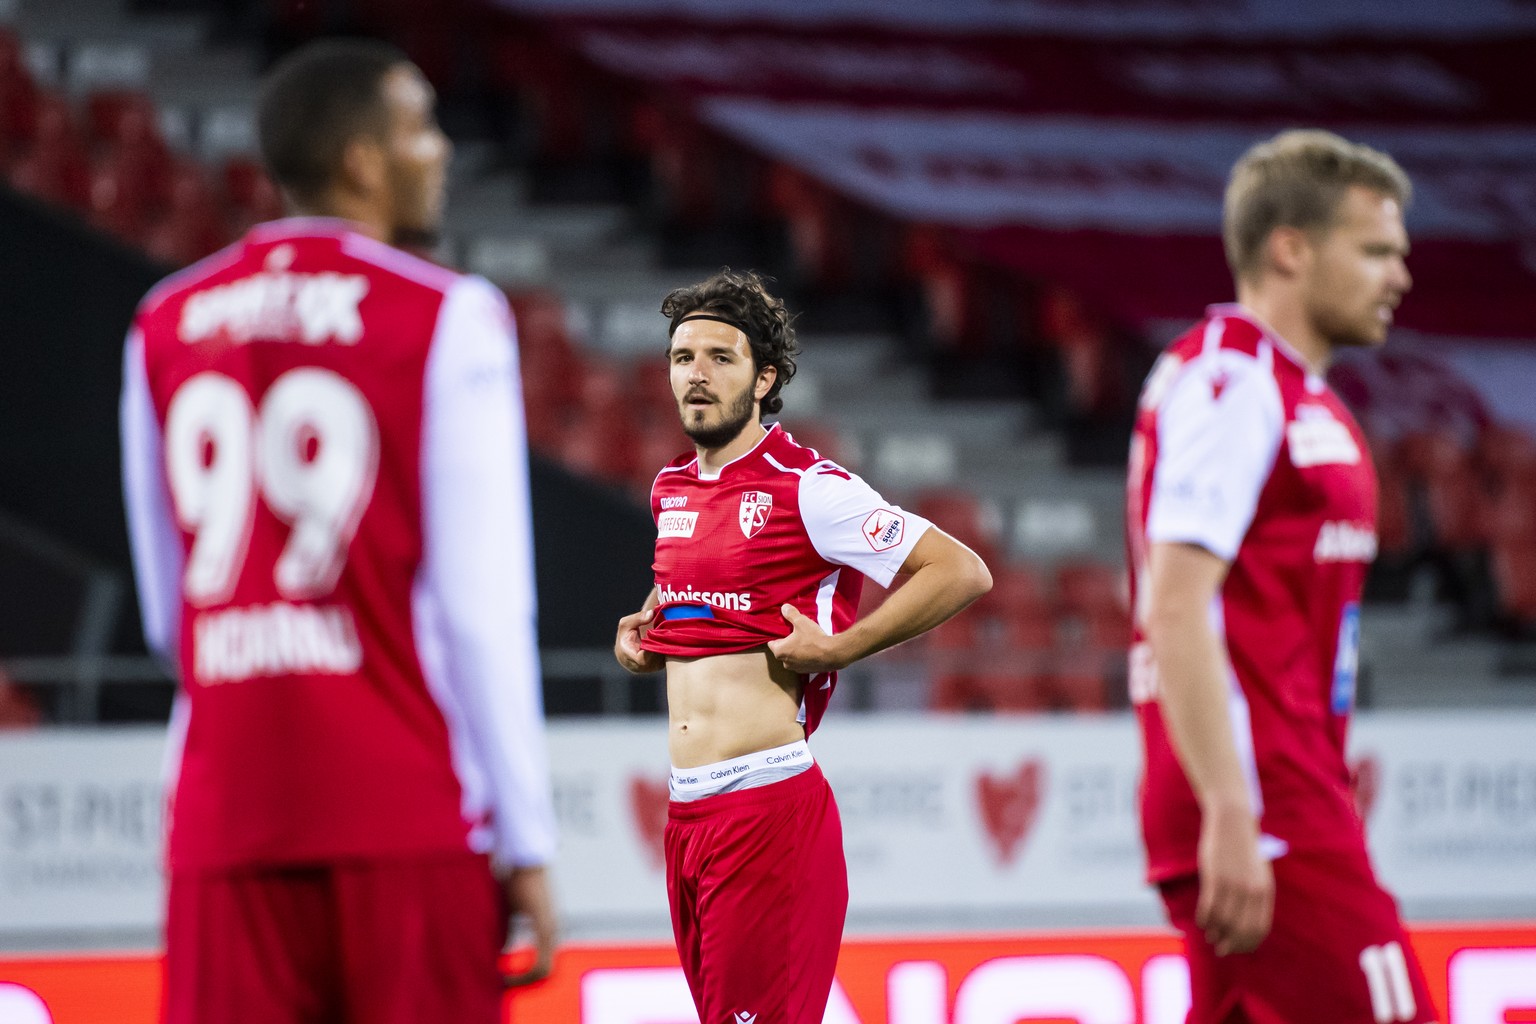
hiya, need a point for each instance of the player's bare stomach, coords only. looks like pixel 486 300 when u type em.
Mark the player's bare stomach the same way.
pixel 727 705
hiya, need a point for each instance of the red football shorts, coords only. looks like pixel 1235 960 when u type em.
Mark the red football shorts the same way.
pixel 1336 954
pixel 759 892
pixel 367 942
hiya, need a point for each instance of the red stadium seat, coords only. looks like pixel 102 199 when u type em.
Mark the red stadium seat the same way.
pixel 18 708
pixel 585 448
pixel 1088 588
pixel 1080 683
pixel 817 223
pixel 56 169
pixel 1514 574
pixel 1508 454
pixel 822 437
pixel 193 227
pixel 1394 528
pixel 963 516
pixel 117 116
pixel 251 196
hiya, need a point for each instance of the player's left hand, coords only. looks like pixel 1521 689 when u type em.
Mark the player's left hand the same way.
pixel 807 649
pixel 529 897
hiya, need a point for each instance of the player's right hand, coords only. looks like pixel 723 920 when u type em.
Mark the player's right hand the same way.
pixel 626 646
pixel 1237 884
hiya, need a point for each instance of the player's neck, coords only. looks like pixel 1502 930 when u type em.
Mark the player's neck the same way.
pixel 339 206
pixel 713 460
pixel 1285 315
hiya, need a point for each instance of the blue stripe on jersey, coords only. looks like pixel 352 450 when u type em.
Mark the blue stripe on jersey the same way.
pixel 687 611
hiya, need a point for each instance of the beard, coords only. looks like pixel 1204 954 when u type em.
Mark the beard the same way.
pixel 734 419
pixel 418 240
pixel 1342 329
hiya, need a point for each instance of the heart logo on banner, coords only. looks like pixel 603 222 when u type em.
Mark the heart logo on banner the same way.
pixel 648 805
pixel 1365 784
pixel 1009 805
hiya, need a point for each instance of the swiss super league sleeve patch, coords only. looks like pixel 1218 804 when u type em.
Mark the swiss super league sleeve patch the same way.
pixel 883 529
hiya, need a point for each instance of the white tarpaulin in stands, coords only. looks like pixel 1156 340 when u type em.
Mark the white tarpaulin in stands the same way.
pixel 949 823
pixel 1128 211
pixel 1453 81
pixel 1106 18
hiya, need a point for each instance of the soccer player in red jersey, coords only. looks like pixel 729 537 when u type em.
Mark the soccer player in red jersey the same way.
pixel 1251 521
pixel 762 547
pixel 326 478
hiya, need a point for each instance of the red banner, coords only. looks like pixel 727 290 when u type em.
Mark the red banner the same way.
pixel 1477 975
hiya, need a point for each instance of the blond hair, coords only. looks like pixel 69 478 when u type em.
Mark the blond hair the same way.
pixel 1297 179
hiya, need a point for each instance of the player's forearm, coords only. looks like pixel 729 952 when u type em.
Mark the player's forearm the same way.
pixel 1194 696
pixel 937 591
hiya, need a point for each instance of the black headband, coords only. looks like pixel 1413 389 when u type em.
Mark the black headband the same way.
pixel 708 316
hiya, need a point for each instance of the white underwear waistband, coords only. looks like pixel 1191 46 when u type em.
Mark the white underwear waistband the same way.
pixel 745 772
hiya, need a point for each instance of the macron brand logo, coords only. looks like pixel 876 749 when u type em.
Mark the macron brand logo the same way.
pixel 676 524
pixel 674 501
pixel 744 1018
pixel 308 308
pixel 883 529
pixel 735 602
pixel 1345 542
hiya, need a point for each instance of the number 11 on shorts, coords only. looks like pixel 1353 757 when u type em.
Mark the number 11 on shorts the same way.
pixel 1386 976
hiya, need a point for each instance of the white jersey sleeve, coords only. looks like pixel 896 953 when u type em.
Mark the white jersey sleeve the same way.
pixel 850 524
pixel 152 533
pixel 474 602
pixel 1218 432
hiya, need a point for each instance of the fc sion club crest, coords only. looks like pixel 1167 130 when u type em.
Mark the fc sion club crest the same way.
pixel 755 506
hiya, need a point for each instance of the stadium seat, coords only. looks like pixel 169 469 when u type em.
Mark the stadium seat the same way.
pixel 585 447
pixel 1080 682
pixel 963 516
pixel 1088 588
pixel 1394 528
pixel 56 169
pixel 1514 573
pixel 249 194
pixel 18 100
pixel 194 226
pixel 18 708
pixel 817 223
pixel 115 116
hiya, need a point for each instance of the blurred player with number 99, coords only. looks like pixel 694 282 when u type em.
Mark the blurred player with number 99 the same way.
pixel 326 479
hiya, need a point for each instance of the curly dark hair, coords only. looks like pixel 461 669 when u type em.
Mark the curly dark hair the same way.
pixel 743 300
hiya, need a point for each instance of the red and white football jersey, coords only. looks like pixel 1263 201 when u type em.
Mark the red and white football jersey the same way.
pixel 1242 450
pixel 327 489
pixel 779 525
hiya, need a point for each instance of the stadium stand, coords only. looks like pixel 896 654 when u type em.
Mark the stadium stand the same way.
pixel 977 369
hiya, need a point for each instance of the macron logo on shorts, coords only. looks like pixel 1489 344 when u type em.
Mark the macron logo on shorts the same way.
pixel 744 1018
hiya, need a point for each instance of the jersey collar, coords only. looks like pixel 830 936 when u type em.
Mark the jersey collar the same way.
pixel 1238 311
pixel 708 477
pixel 302 227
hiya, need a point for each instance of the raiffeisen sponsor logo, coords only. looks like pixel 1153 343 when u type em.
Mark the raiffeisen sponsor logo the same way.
pixel 735 602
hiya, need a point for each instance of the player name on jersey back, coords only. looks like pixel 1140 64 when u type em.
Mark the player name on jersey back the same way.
pixel 309 308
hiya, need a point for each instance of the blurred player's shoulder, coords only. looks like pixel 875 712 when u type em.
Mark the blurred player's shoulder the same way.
pixel 192 278
pixel 1226 328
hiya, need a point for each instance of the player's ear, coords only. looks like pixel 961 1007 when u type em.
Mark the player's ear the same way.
pixel 1288 250
pixel 364 167
pixel 765 378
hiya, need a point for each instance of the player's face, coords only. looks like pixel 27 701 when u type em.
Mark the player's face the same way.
pixel 1357 274
pixel 418 154
pixel 714 381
